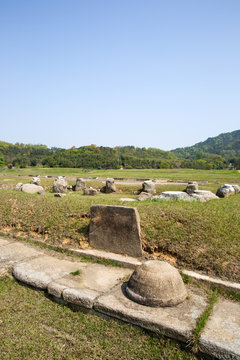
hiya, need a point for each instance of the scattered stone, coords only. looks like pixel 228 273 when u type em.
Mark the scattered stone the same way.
pixel 156 283
pixel 60 185
pixel 148 186
pixel 191 187
pixel 32 189
pixel 19 186
pixel 70 187
pixel 143 196
pixel 115 229
pixel 236 188
pixel 90 191
pixel 221 336
pixel 127 199
pixel 109 187
pixel 80 185
pixel 36 180
pixel 197 195
pixel 173 195
pixel 204 195
pixel 61 195
pixel 226 190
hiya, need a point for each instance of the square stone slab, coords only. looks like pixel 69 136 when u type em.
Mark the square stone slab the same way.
pixel 5 241
pixel 176 322
pixel 14 252
pixel 41 271
pixel 221 335
pixel 115 229
pixel 92 281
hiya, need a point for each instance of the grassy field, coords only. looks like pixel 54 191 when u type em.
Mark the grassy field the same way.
pixel 34 327
pixel 199 236
pixel 222 176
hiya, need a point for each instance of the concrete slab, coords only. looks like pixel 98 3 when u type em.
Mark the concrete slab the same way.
pixel 126 261
pixel 5 241
pixel 227 285
pixel 177 322
pixel 92 281
pixel 221 335
pixel 13 252
pixel 41 271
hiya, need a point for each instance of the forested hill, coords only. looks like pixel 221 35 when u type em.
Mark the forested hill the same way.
pixel 219 152
pixel 227 145
pixel 90 156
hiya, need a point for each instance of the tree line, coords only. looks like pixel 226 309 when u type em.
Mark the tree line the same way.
pixel 94 157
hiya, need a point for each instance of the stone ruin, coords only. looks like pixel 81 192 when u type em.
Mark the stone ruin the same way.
pixel 227 189
pixel 148 189
pixel 109 187
pixel 115 229
pixel 80 185
pixel 36 180
pixel 156 283
pixel 60 185
pixel 90 191
pixel 190 193
pixel 192 186
pixel 32 188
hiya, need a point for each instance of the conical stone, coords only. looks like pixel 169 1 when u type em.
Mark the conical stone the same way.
pixel 156 283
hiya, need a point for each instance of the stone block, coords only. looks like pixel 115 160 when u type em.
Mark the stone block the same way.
pixel 176 322
pixel 115 229
pixel 221 335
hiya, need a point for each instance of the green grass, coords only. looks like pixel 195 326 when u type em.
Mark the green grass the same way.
pixel 34 327
pixel 213 297
pixel 76 272
pixel 229 176
pixel 199 236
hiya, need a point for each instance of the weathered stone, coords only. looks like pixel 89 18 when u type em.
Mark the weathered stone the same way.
pixel 127 199
pixel 177 322
pixel 204 195
pixel 32 189
pixel 115 229
pixel 36 180
pixel 41 271
pixel 236 188
pixel 173 195
pixel 19 186
pixel 148 186
pixel 92 281
pixel 90 191
pixel 144 196
pixel 60 185
pixel 80 185
pixel 221 336
pixel 197 195
pixel 13 252
pixel 61 195
pixel 109 187
pixel 156 283
pixel 225 190
pixel 191 187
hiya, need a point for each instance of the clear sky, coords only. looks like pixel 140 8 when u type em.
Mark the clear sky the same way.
pixel 149 73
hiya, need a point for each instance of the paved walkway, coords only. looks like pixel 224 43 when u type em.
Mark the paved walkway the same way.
pixel 102 288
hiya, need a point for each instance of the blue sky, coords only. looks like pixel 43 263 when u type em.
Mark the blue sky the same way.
pixel 149 73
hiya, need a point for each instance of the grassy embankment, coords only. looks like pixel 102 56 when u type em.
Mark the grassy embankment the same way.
pixel 200 236
pixel 34 327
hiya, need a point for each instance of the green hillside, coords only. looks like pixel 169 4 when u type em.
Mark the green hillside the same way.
pixel 227 145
